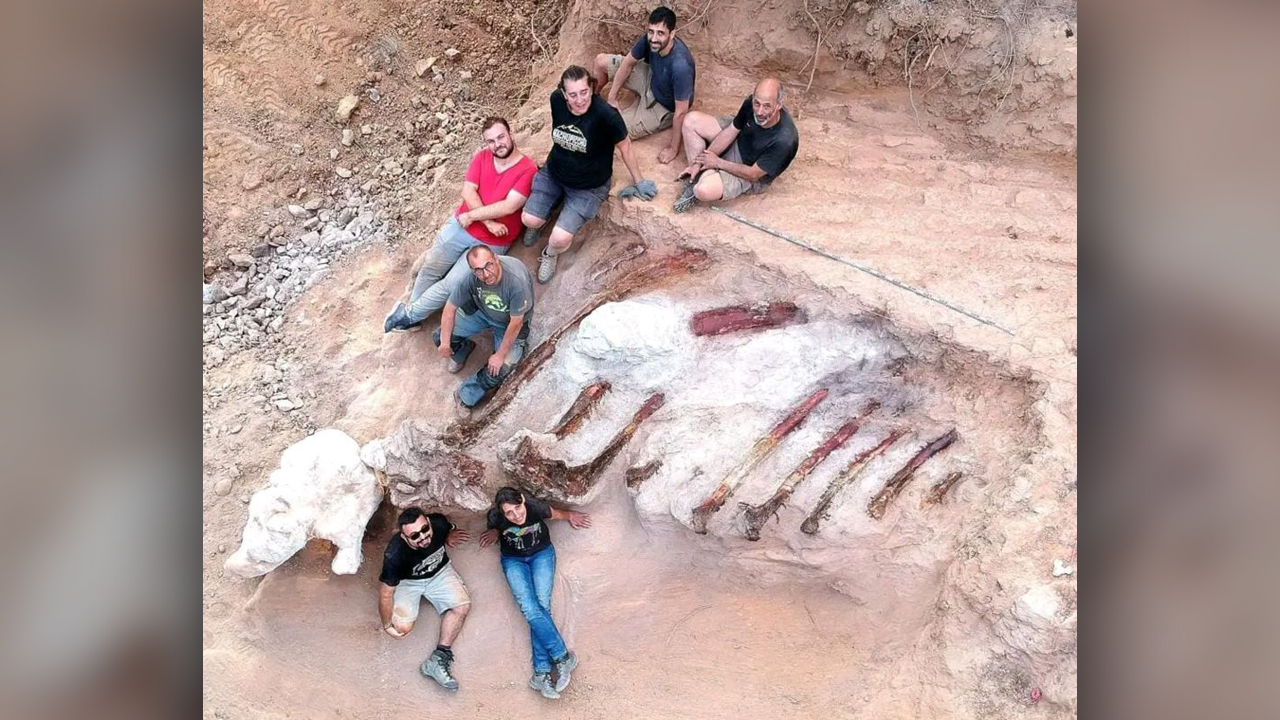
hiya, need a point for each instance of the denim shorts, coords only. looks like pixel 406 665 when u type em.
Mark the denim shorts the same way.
pixel 579 205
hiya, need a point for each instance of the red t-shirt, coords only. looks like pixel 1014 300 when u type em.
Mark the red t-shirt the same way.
pixel 493 186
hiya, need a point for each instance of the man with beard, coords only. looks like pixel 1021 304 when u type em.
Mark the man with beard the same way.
pixel 746 152
pixel 416 566
pixel 661 72
pixel 585 130
pixel 494 190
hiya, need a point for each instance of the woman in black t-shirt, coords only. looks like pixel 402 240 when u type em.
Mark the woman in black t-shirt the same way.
pixel 518 523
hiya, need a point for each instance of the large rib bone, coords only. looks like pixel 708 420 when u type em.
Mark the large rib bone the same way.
pixel 556 478
pixel 686 260
pixel 844 479
pixel 741 317
pixel 581 408
pixel 757 515
pixel 881 501
pixel 639 473
pixel 758 452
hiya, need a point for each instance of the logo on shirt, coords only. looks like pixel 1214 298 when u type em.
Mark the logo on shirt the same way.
pixel 429 563
pixel 523 538
pixel 570 138
pixel 493 300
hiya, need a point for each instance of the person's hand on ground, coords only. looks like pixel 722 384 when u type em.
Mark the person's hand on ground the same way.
pixel 488 537
pixel 645 190
pixel 496 228
pixel 667 155
pixel 579 520
pixel 444 350
pixel 392 631
pixel 495 363
pixel 708 160
pixel 457 536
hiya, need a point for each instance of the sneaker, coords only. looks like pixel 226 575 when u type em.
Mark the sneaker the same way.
pixel 542 683
pixel 398 321
pixel 530 236
pixel 460 409
pixel 436 667
pixel 455 366
pixel 546 268
pixel 564 670
pixel 686 201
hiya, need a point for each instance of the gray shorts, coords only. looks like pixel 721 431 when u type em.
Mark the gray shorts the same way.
pixel 734 185
pixel 646 115
pixel 579 205
pixel 444 590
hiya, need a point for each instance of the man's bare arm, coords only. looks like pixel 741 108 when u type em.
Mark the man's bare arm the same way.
pixel 677 129
pixel 386 594
pixel 506 206
pixel 471 196
pixel 620 78
pixel 629 159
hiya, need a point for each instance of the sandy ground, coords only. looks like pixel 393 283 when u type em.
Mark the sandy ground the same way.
pixel 667 624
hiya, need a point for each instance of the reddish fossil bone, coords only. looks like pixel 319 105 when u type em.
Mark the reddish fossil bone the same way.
pixel 638 474
pixel 881 501
pixel 462 434
pixel 743 317
pixel 541 473
pixel 757 515
pixel 940 489
pixel 844 479
pixel 613 260
pixel 758 452
pixel 581 408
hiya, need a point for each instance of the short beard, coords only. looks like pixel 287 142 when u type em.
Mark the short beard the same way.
pixel 503 155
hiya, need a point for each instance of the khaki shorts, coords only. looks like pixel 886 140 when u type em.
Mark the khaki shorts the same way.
pixel 646 116
pixel 445 591
pixel 734 185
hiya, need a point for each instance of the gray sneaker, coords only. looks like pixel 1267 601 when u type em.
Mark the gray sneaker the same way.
pixel 542 683
pixel 530 236
pixel 686 201
pixel 436 667
pixel 546 268
pixel 564 670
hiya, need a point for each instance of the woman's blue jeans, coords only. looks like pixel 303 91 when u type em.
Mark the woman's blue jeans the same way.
pixel 531 579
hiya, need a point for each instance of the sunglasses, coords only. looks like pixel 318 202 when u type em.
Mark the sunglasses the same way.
pixel 424 532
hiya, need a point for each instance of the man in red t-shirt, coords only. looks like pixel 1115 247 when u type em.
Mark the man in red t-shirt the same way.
pixel 493 193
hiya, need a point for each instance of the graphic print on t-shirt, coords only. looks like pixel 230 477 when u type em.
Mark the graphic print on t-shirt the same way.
pixel 492 300
pixel 570 138
pixel 522 538
pixel 428 564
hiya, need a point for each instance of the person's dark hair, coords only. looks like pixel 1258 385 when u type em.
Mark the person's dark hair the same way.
pixel 576 72
pixel 507 496
pixel 409 516
pixel 664 15
pixel 494 120
pixel 476 250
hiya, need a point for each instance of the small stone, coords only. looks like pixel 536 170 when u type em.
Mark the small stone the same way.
pixel 241 260
pixel 343 172
pixel 374 95
pixel 298 211
pixel 421 67
pixel 320 80
pixel 276 231
pixel 263 229
pixel 449 103
pixel 313 204
pixel 366 129
pixel 215 293
pixel 452 53
pixel 252 180
pixel 284 405
pixel 348 137
pixel 464 75
pixel 1060 568
pixel 424 162
pixel 223 487
pixel 442 117
pixel 235 429
pixel 222 548
pixel 346 106
pixel 333 153
pixel 244 498
pixel 252 302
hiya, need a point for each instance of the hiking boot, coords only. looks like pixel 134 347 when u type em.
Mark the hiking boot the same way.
pixel 542 683
pixel 398 321
pixel 456 365
pixel 686 201
pixel 564 670
pixel 546 268
pixel 530 236
pixel 460 409
pixel 436 667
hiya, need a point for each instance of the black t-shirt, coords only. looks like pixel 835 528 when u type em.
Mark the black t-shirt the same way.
pixel 527 539
pixel 401 562
pixel 772 148
pixel 582 154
